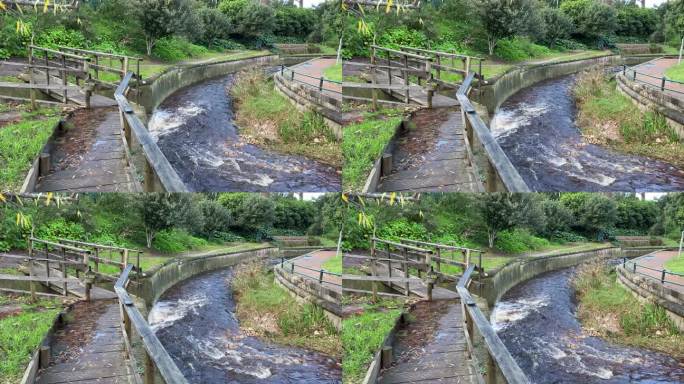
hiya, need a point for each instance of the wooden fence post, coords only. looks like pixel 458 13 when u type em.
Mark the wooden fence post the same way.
pixel 64 79
pixel 64 271
pixel 404 253
pixel 32 81
pixel 149 369
pixel 406 79
pixel 439 259
pixel 47 68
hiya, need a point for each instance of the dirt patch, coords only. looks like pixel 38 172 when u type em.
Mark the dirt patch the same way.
pixel 421 330
pixel 10 310
pixel 420 138
pixel 72 145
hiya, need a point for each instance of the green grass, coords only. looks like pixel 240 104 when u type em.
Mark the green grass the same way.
pixel 21 142
pixel 363 143
pixel 271 312
pixel 268 118
pixel 20 334
pixel 334 265
pixel 675 72
pixel 676 264
pixel 609 309
pixel 333 73
pixel 362 335
pixel 607 117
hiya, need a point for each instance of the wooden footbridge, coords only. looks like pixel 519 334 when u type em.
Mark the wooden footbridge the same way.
pixel 102 337
pixel 462 346
pixel 102 152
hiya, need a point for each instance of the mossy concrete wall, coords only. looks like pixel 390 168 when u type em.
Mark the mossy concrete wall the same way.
pixel 170 274
pixel 170 81
pixel 524 269
pixel 502 87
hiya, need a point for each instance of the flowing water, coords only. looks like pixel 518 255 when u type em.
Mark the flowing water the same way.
pixel 195 321
pixel 536 128
pixel 536 320
pixel 194 129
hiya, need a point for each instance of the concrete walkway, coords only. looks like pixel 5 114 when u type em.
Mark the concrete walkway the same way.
pixel 657 261
pixel 98 165
pixel 432 350
pixel 315 68
pixel 657 69
pixel 315 260
pixel 89 348
pixel 443 167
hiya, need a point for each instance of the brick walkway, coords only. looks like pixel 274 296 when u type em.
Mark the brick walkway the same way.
pixel 315 260
pixel 315 69
pixel 657 261
pixel 657 69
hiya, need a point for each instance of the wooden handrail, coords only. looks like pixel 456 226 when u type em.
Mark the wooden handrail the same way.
pixel 98 53
pixel 402 53
pixel 159 174
pixel 58 245
pixel 132 319
pixel 400 245
pixel 60 53
pixel 100 246
pixel 499 164
pixel 496 349
pixel 439 53
pixel 442 246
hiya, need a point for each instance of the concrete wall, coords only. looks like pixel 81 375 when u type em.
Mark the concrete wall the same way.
pixel 649 98
pixel 170 81
pixel 653 291
pixel 518 271
pixel 508 84
pixel 151 288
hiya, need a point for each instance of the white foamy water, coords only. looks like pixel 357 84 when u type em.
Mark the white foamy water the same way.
pixel 508 312
pixel 165 121
pixel 165 313
pixel 506 122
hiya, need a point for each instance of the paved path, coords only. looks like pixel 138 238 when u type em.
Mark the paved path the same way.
pixel 315 68
pixel 438 357
pixel 89 349
pixel 100 167
pixel 657 261
pixel 443 167
pixel 657 68
pixel 315 260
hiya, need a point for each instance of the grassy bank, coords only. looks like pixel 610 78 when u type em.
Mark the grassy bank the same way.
pixel 267 310
pixel 21 139
pixel 21 331
pixel 333 73
pixel 334 265
pixel 609 310
pixel 675 72
pixel 363 143
pixel 606 117
pixel 676 264
pixel 268 118
pixel 363 334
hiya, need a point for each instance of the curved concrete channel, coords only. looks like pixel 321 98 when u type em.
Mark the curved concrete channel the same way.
pixel 195 321
pixel 537 130
pixel 537 322
pixel 194 128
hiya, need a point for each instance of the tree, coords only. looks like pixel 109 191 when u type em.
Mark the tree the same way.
pixel 249 19
pixel 164 18
pixel 559 26
pixel 592 19
pixel 674 20
pixel 160 211
pixel 250 211
pixel 593 212
pixel 504 211
pixel 217 26
pixel 558 217
pixel 506 18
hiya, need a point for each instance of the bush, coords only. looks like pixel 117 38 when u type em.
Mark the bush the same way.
pixel 60 228
pixel 519 241
pixel 249 19
pixel 217 27
pixel 396 37
pixel 56 36
pixel 402 228
pixel 294 21
pixel 174 49
pixel 175 241
pixel 518 49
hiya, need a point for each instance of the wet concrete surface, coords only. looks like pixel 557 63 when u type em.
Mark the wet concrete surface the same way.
pixel 537 131
pixel 537 322
pixel 194 128
pixel 195 321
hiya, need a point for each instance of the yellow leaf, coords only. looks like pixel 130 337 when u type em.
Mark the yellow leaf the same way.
pixel 345 198
pixel 46 4
pixel 388 8
pixel 48 198
pixel 393 196
pixel 2 5
pixel 2 198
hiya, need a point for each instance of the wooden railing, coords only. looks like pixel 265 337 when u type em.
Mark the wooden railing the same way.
pixel 500 366
pixel 60 65
pixel 446 254
pixel 106 254
pixel 159 175
pixel 500 174
pixel 406 63
pixel 98 59
pixel 441 61
pixel 156 358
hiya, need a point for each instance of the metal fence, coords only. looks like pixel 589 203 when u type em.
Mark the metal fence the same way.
pixel 291 267
pixel 661 275
pixel 662 82
pixel 292 76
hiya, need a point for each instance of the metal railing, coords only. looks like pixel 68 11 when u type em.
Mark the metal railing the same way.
pixel 291 267
pixel 658 274
pixel 500 174
pixel 157 359
pixel 158 174
pixel 657 82
pixel 500 364
pixel 321 80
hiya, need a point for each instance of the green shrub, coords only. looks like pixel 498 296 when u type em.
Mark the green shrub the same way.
pixel 519 241
pixel 518 49
pixel 396 37
pixel 175 241
pixel 402 228
pixel 4 54
pixel 56 36
pixel 176 49
pixel 60 228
